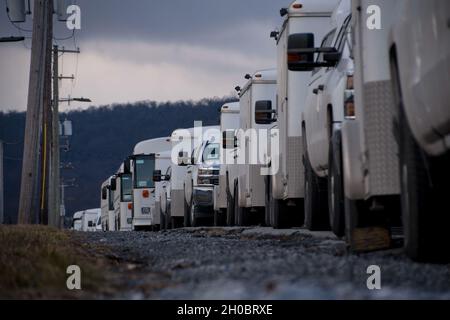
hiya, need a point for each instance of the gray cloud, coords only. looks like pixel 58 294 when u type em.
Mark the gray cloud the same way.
pixel 208 44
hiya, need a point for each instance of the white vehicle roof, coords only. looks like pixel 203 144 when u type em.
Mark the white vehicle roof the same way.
pixel 107 182
pixel 179 132
pixel 78 215
pixel 262 76
pixel 152 146
pixel 93 211
pixel 311 7
pixel 230 107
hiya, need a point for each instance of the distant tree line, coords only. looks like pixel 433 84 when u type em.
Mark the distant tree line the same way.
pixel 102 138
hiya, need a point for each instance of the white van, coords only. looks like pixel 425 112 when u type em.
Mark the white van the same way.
pixel 286 188
pixel 330 93
pixel 257 100
pixel 89 220
pixel 77 224
pixel 107 204
pixel 419 52
pixel 202 175
pixel 369 147
pixel 229 123
pixel 142 167
pixel 123 198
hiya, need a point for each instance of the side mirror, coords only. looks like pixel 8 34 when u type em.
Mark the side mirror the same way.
pixel 228 139
pixel 264 113
pixel 157 176
pixel 301 52
pixel 183 158
pixel 167 177
pixel 113 184
pixel 300 58
pixel 104 193
pixel 91 224
pixel 127 165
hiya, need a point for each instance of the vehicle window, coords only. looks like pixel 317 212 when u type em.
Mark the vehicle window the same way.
pixel 340 40
pixel 211 152
pixel 126 188
pixel 143 170
pixel 326 42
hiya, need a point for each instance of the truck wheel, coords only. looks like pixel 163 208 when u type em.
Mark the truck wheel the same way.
pixel 219 217
pixel 267 213
pixel 424 184
pixel 193 218
pixel 230 210
pixel 316 200
pixel 336 186
pixel 162 221
pixel 187 218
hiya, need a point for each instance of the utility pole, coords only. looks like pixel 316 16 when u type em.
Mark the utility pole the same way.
pixel 42 32
pixel 2 213
pixel 55 193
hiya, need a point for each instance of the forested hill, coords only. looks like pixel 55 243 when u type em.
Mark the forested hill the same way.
pixel 102 138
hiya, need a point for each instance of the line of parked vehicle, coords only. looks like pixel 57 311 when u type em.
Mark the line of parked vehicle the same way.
pixel 356 118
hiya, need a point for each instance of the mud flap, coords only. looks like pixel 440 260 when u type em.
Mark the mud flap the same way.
pixel 370 239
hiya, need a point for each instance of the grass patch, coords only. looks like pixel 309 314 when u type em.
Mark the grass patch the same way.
pixel 34 260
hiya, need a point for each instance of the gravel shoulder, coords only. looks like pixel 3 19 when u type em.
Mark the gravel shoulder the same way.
pixel 260 263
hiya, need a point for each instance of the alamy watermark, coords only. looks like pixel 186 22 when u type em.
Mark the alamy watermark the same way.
pixel 73 281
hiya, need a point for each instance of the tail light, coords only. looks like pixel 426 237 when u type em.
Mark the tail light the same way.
pixel 130 206
pixel 145 193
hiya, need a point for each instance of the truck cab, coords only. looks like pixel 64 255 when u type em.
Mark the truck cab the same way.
pixel 229 123
pixel 142 166
pixel 107 204
pixel 330 92
pixel 123 198
pixel 286 188
pixel 257 100
pixel 202 175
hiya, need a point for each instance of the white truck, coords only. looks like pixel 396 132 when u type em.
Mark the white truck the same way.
pixel 172 199
pixel 89 220
pixel 330 94
pixel 419 53
pixel 201 176
pixel 77 216
pixel 141 167
pixel 286 188
pixel 123 198
pixel 369 147
pixel 162 164
pixel 229 123
pixel 107 204
pixel 256 102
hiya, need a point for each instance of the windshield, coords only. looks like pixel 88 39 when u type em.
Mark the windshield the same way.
pixel 211 152
pixel 143 170
pixel 126 187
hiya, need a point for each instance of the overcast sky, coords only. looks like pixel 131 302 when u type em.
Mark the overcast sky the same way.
pixel 150 50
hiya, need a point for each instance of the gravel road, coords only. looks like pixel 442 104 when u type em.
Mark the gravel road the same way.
pixel 261 263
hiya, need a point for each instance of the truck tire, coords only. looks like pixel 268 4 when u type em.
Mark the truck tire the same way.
pixel 425 208
pixel 424 191
pixel 316 200
pixel 220 217
pixel 162 221
pixel 192 215
pixel 187 211
pixel 267 210
pixel 336 186
pixel 230 209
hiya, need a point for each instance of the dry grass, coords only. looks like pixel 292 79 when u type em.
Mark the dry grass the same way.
pixel 33 263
